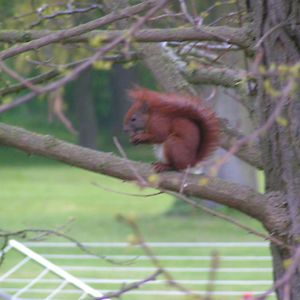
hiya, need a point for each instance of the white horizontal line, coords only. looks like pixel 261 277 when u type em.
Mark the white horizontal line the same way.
pixel 154 292
pixel 127 281
pixel 160 257
pixel 154 244
pixel 180 270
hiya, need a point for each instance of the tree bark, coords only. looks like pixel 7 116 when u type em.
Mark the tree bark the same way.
pixel 237 36
pixel 281 145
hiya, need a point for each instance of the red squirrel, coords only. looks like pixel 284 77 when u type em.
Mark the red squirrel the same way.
pixel 182 128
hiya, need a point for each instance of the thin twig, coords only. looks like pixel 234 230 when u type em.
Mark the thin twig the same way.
pixel 15 88
pixel 186 13
pixel 270 31
pixel 63 13
pixel 183 182
pixel 140 179
pixel 148 251
pixel 215 262
pixel 5 235
pixel 132 286
pixel 229 219
pixel 126 194
pixel 18 77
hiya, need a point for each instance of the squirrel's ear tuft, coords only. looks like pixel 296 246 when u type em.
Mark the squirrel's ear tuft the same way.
pixel 136 93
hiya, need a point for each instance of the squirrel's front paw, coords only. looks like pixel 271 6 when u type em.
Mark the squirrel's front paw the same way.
pixel 136 139
pixel 161 167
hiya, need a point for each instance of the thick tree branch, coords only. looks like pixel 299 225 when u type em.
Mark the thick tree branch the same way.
pixel 237 36
pixel 218 76
pixel 233 195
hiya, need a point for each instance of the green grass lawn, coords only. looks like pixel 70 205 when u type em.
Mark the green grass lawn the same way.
pixel 37 193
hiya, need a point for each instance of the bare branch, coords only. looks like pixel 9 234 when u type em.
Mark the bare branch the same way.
pixel 140 179
pixel 139 240
pixel 18 77
pixel 56 109
pixel 34 80
pixel 132 286
pixel 215 264
pixel 124 193
pixel 69 11
pixel 230 35
pixel 217 76
pixel 185 12
pixel 229 219
pixel 6 235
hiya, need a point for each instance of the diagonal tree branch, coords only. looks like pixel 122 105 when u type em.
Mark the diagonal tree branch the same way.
pixel 233 195
pixel 34 80
pixel 218 76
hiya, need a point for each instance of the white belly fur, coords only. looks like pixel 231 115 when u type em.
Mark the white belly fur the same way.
pixel 160 153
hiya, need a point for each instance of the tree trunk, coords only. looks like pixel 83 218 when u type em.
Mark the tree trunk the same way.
pixel 281 151
pixel 85 110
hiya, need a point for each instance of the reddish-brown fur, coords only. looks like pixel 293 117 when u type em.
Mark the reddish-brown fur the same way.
pixel 188 130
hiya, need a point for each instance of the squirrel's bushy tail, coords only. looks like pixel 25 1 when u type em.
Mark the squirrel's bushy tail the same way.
pixel 188 107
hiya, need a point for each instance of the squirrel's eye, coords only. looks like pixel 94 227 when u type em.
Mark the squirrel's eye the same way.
pixel 133 119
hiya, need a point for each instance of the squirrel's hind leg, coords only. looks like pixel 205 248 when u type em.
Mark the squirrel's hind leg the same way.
pixel 179 155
